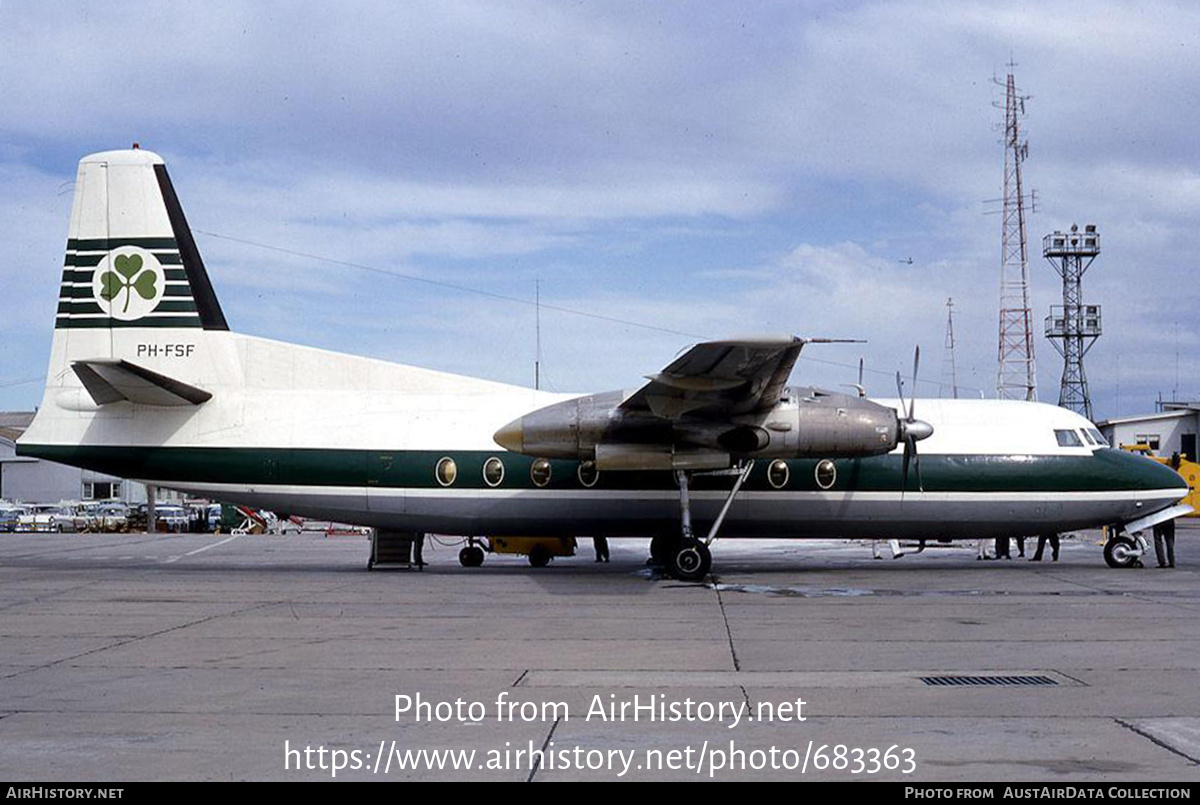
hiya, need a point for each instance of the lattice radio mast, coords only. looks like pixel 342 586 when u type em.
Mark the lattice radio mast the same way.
pixel 1016 378
pixel 949 372
pixel 1073 327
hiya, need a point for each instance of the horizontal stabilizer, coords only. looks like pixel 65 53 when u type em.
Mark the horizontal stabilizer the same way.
pixel 109 381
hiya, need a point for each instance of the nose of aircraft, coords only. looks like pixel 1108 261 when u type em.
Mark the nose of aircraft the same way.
pixel 1124 470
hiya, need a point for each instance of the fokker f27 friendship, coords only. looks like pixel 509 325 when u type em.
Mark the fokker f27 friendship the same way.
pixel 146 381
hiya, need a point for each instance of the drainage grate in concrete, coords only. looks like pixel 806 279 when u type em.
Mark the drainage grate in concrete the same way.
pixel 958 681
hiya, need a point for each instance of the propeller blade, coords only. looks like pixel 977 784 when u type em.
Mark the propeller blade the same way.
pixel 907 429
pixel 917 465
pixel 860 373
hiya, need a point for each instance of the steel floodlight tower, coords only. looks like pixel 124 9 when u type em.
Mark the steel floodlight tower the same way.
pixel 1073 327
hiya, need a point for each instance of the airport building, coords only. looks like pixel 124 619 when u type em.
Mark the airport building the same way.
pixel 1172 430
pixel 32 480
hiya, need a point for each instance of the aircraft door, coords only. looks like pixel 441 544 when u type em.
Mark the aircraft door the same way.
pixel 385 481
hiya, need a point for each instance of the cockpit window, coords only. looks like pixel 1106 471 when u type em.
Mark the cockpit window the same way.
pixel 1098 436
pixel 1087 437
pixel 1068 438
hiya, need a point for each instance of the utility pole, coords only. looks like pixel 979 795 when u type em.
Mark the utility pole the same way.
pixel 537 353
pixel 1016 377
pixel 949 372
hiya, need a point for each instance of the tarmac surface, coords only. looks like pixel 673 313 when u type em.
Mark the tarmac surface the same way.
pixel 206 657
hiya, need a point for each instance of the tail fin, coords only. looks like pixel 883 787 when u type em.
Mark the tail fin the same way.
pixel 140 347
pixel 131 260
pixel 136 303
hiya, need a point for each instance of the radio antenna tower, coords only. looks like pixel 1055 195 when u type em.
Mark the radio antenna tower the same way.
pixel 1073 327
pixel 949 373
pixel 1016 378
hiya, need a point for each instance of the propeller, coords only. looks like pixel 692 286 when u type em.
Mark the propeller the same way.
pixel 912 430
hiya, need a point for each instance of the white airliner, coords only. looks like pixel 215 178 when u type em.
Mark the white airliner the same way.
pixel 147 382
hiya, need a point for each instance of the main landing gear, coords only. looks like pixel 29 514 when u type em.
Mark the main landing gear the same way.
pixel 686 557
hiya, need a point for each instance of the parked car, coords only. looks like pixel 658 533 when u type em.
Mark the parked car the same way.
pixel 88 512
pixel 112 517
pixel 171 517
pixel 10 513
pixel 46 518
pixel 213 513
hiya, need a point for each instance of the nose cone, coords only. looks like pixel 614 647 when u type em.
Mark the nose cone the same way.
pixel 512 436
pixel 1122 470
pixel 917 429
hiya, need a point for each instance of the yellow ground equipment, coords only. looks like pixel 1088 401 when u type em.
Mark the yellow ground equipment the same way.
pixel 540 550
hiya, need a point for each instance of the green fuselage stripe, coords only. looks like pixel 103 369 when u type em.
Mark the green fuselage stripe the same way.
pixel 1104 470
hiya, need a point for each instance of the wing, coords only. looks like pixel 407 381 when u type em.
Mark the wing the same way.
pixel 720 379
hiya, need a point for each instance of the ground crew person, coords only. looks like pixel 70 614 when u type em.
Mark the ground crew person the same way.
pixel 418 551
pixel 1042 540
pixel 1165 532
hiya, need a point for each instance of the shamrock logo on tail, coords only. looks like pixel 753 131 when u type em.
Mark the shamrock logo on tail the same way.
pixel 127 278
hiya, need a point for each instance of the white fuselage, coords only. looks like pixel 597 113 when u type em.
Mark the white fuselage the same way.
pixel 316 433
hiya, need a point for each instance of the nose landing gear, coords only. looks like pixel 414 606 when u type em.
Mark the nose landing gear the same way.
pixel 1121 550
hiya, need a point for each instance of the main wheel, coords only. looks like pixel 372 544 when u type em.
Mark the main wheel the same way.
pixel 1120 551
pixel 690 561
pixel 471 556
pixel 539 556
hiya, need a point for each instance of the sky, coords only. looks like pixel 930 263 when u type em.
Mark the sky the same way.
pixel 401 180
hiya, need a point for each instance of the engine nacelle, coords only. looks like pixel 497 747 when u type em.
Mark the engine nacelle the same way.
pixel 811 423
pixel 806 423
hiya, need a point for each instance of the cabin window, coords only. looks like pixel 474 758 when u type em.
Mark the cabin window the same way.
pixel 588 474
pixel 493 471
pixel 826 473
pixel 778 473
pixel 539 471
pixel 1068 438
pixel 447 471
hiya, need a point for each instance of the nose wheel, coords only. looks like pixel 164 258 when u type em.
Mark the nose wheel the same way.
pixel 1121 551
